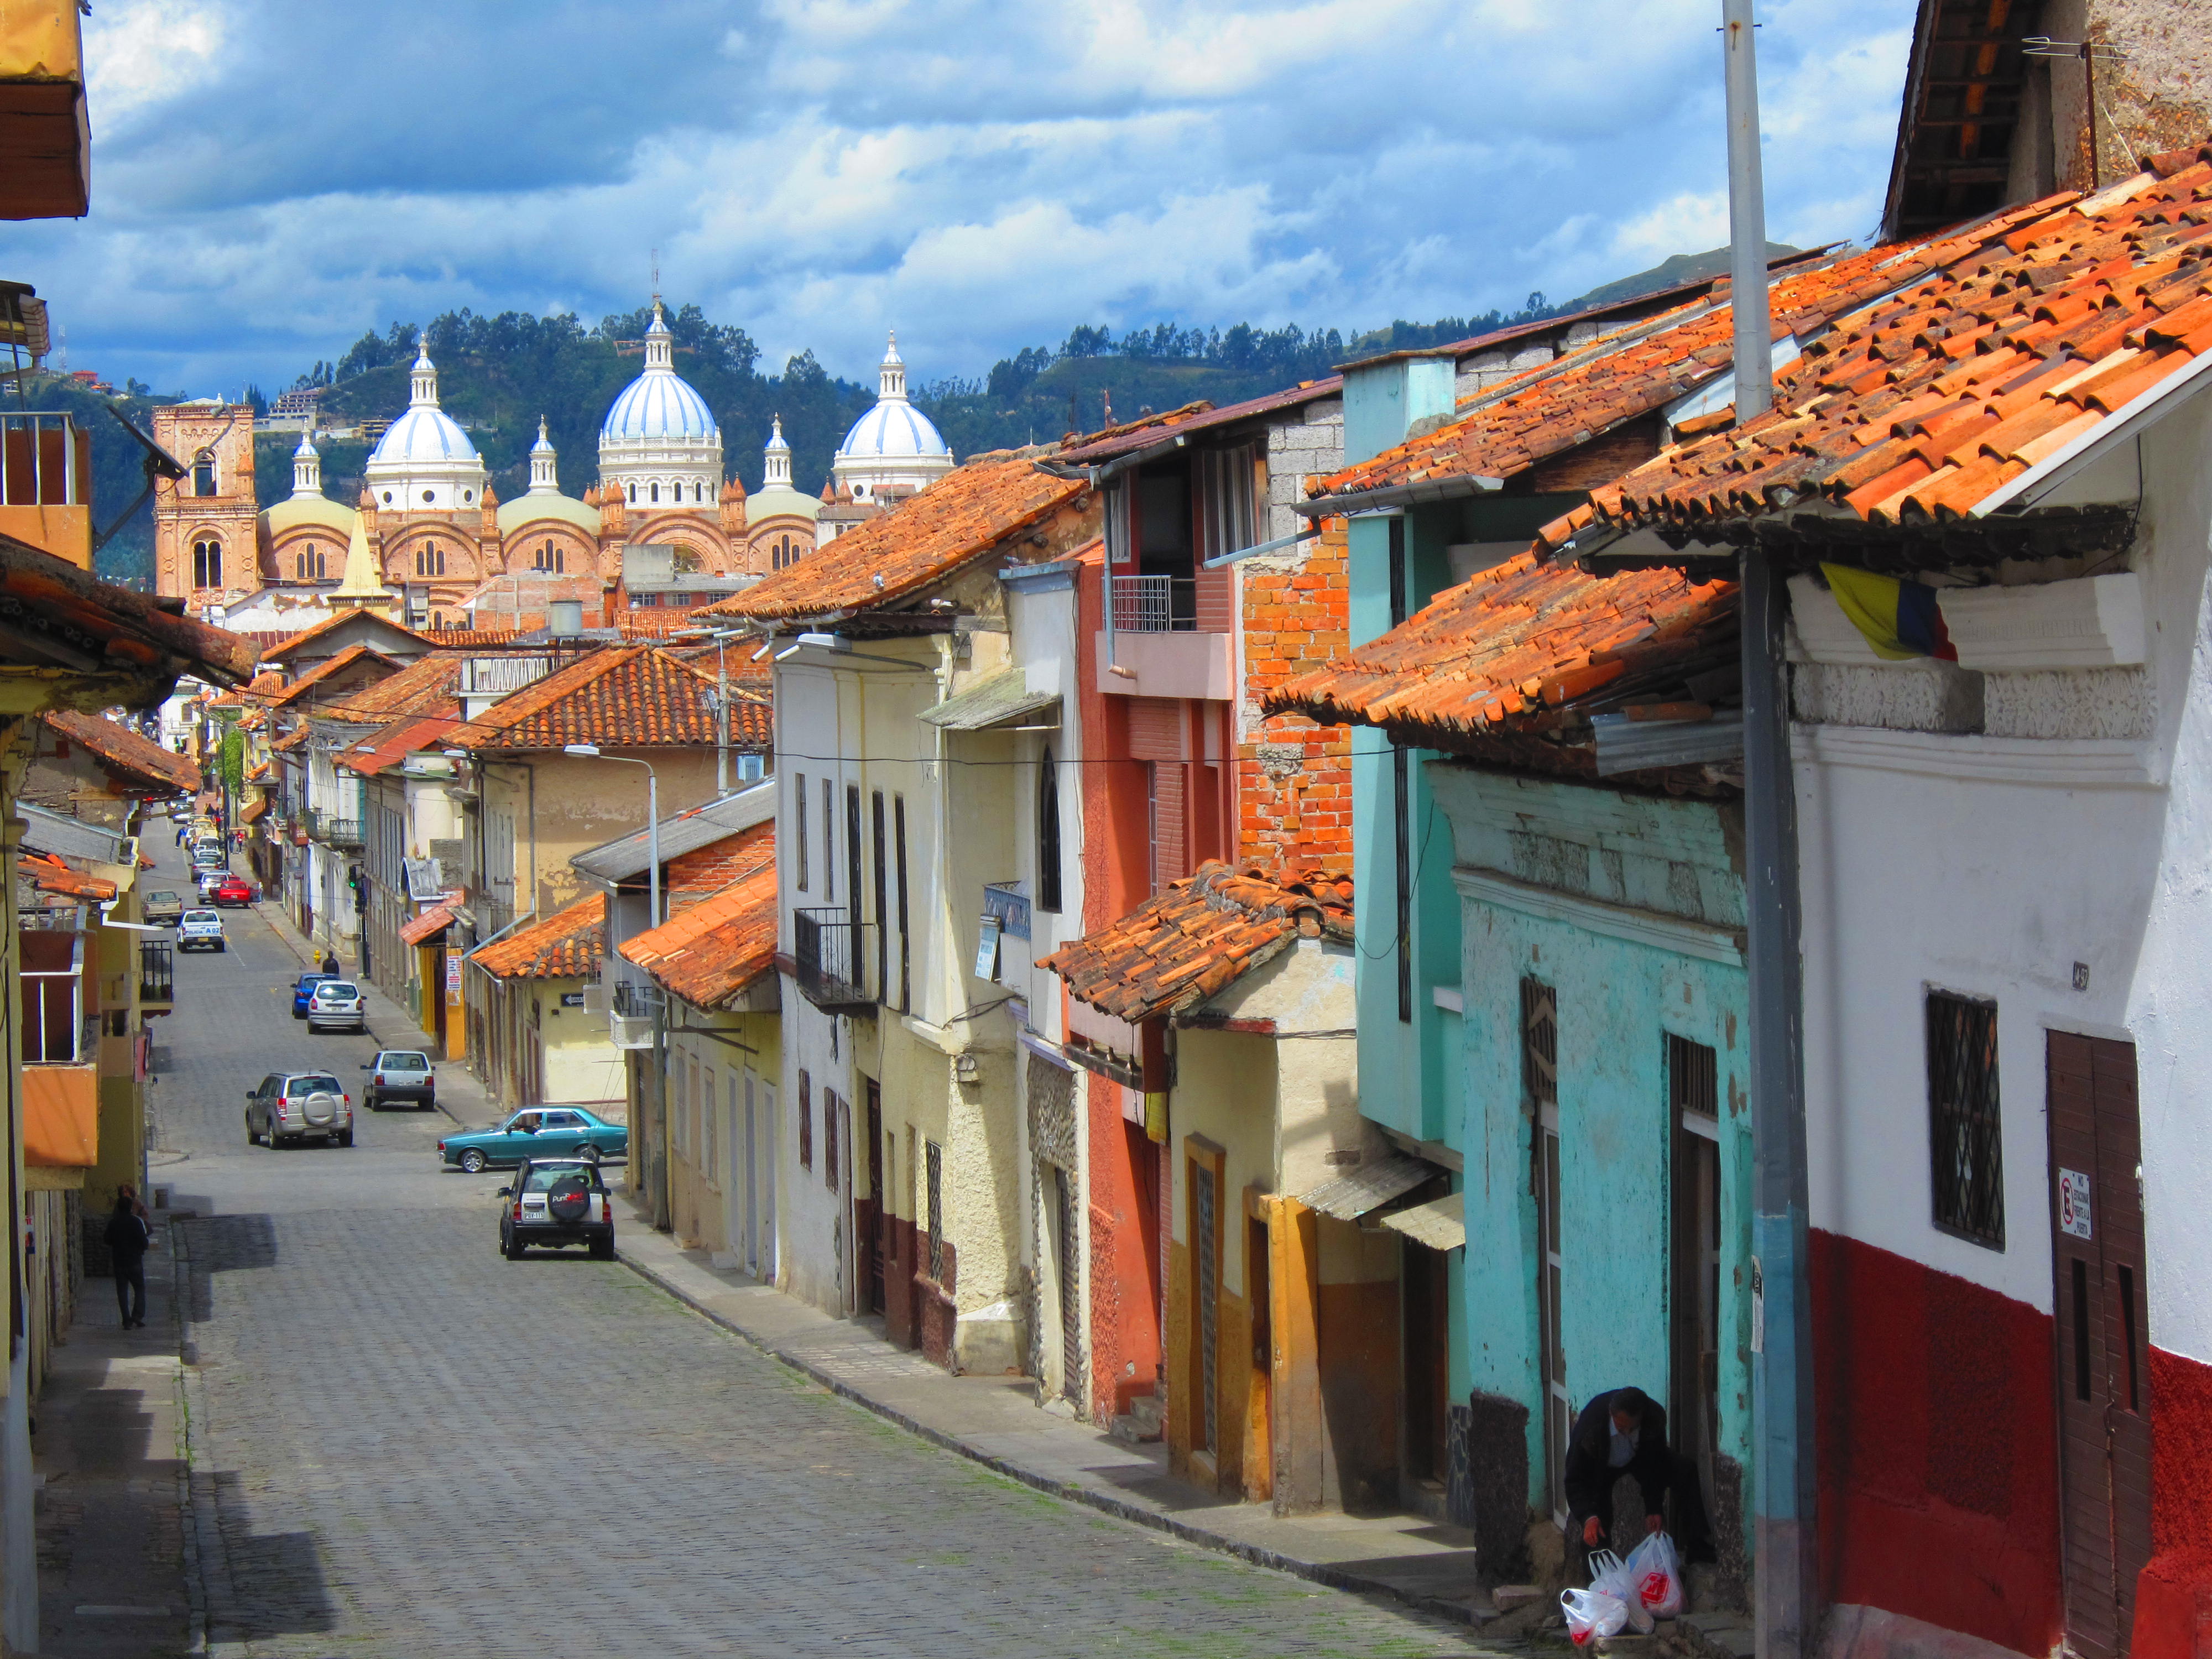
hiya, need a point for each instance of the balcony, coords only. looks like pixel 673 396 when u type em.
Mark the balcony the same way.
pixel 632 1008
pixel 1155 605
pixel 45 146
pixel 46 483
pixel 342 832
pixel 157 976
pixel 830 951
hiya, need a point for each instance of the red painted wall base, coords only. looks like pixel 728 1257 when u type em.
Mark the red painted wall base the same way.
pixel 2173 1595
pixel 1939 1480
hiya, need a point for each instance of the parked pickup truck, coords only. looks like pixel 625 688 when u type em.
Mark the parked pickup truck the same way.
pixel 201 930
pixel 164 908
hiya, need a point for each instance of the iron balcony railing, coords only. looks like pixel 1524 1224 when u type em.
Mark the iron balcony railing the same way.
pixel 831 953
pixel 39 459
pixel 1155 605
pixel 157 976
pixel 342 832
pixel 636 999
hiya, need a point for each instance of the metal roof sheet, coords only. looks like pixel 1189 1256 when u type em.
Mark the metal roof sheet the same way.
pixel 626 859
pixel 1352 1195
pixel 993 701
pixel 1440 1224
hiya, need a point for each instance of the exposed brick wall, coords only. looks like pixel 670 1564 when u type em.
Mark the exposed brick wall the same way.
pixel 1294 778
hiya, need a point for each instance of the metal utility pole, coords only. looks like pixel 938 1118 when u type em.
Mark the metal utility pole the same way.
pixel 1787 1601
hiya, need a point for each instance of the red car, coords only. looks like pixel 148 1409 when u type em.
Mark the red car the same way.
pixel 231 889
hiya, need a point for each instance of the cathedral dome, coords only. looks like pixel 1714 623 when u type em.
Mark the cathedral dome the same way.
pixel 659 445
pixel 424 461
pixel 894 449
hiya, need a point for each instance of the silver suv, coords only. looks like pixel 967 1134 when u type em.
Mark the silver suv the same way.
pixel 291 1106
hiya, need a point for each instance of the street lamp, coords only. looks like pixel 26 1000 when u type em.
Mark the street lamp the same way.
pixel 590 752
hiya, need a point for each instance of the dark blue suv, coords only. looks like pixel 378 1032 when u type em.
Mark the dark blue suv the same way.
pixel 305 989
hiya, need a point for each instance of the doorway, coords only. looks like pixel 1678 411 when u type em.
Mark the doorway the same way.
pixel 877 1225
pixel 1066 1241
pixel 1693 1301
pixel 747 1179
pixel 1260 1415
pixel 1425 1281
pixel 1540 1075
pixel 2103 1359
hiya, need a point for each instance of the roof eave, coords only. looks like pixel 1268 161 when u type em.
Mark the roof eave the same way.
pixel 1459 486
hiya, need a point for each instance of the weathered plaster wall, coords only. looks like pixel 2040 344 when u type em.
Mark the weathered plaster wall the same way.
pixel 582 1066
pixel 1639 897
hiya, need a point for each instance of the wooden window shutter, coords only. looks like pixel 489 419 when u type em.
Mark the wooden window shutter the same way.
pixel 1159 729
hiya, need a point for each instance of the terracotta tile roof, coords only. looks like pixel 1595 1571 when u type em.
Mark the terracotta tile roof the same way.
pixel 285 745
pixel 59 615
pixel 431 922
pixel 121 749
pixel 720 863
pixel 630 697
pixel 1518 659
pixel 323 670
pixel 1638 369
pixel 924 539
pixel 291 644
pixel 252 812
pixel 710 952
pixel 567 945
pixel 454 639
pixel 418 687
pixel 1199 936
pixel 50 875
pixel 1096 447
pixel 400 739
pixel 2016 346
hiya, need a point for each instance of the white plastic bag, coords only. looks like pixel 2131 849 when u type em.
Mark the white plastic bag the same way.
pixel 1592 1614
pixel 1610 1576
pixel 1655 1574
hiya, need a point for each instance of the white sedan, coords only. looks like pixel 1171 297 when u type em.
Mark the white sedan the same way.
pixel 201 930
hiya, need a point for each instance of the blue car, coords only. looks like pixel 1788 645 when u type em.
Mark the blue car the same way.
pixel 305 989
pixel 535 1133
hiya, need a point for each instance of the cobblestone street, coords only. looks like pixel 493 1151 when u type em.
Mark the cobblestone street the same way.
pixel 402 1443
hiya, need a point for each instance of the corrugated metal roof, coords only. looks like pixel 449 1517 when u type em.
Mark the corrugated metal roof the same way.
pixel 1440 1224
pixel 626 859
pixel 72 838
pixel 988 702
pixel 1351 1195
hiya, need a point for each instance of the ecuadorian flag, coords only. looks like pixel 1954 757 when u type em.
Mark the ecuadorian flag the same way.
pixel 1901 619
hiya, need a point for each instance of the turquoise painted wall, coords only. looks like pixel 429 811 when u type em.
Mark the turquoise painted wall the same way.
pixel 1587 890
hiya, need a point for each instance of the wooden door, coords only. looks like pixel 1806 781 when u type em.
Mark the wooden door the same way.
pixel 878 1224
pixel 2103 1360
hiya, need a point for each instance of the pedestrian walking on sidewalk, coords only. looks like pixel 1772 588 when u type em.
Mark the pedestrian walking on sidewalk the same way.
pixel 128 1236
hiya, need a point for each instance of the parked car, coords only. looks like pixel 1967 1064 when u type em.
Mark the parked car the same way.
pixel 305 989
pixel 210 855
pixel 556 1201
pixel 206 881
pixel 200 930
pixel 338 1005
pixel 537 1132
pixel 400 1074
pixel 291 1106
pixel 232 890
pixel 164 907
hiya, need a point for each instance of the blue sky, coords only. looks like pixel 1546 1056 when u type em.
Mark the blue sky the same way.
pixel 272 177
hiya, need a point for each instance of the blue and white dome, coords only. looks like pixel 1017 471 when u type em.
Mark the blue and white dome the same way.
pixel 660 443
pixel 894 449
pixel 424 462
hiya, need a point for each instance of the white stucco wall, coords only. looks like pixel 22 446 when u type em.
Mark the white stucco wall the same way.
pixel 1991 866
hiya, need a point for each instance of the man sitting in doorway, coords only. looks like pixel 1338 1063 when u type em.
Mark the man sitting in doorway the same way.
pixel 1624 1431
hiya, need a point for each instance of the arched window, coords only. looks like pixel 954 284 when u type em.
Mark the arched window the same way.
pixel 633 492
pixel 310 565
pixel 1047 834
pixel 204 473
pixel 550 558
pixel 429 560
pixel 656 492
pixel 207 564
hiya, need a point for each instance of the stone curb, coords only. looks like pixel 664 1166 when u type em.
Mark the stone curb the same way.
pixel 1257 1554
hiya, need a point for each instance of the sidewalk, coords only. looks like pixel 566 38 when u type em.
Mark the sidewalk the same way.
pixel 111 1477
pixel 995 1421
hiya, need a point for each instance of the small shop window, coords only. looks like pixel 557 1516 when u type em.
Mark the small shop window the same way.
pixel 1964 1127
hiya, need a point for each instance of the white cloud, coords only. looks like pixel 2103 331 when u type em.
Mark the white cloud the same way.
pixel 982 174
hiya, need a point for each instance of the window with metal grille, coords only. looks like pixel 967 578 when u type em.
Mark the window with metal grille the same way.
pixel 934 1158
pixel 1965 1131
pixel 805 1122
pixel 799 796
pixel 829 1120
pixel 1047 806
